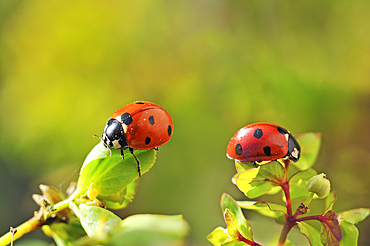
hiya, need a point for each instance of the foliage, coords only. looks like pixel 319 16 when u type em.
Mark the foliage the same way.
pixel 269 178
pixel 105 182
pixel 67 65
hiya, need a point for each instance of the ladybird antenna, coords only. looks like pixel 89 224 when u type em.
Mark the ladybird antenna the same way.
pixel 110 151
pixel 136 159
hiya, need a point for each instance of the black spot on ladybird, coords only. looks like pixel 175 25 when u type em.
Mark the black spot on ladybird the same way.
pixel 169 130
pixel 282 130
pixel 151 120
pixel 147 140
pixel 267 150
pixel 258 133
pixel 238 149
pixel 126 119
pixel 139 102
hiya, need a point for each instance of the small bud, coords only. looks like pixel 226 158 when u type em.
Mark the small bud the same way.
pixel 92 193
pixel 51 194
pixel 319 185
pixel 39 199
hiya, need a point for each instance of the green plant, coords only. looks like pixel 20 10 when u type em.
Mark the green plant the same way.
pixel 299 185
pixel 82 217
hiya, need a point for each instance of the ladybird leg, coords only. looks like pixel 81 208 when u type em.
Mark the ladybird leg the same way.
pixel 255 164
pixel 136 159
pixel 123 155
pixel 156 148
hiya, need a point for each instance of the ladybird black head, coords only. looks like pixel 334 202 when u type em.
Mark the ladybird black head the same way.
pixel 258 133
pixel 282 130
pixel 113 135
pixel 169 130
pixel 238 149
pixel 294 150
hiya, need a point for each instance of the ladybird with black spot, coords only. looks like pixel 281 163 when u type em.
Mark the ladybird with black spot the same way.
pixel 263 142
pixel 139 125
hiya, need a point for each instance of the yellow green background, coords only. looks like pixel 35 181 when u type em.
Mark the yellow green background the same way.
pixel 215 66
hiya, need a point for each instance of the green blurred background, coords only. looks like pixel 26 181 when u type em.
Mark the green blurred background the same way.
pixel 216 66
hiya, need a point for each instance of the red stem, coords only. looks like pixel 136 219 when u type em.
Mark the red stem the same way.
pixel 285 188
pixel 248 242
pixel 289 221
pixel 314 217
pixel 288 225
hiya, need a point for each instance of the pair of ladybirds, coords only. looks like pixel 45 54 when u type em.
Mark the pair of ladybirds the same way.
pixel 145 125
pixel 139 125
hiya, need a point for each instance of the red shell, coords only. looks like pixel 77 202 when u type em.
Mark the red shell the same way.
pixel 259 142
pixel 149 121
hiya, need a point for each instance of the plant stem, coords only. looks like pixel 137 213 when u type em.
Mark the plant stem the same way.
pixel 313 217
pixel 285 188
pixel 309 199
pixel 289 221
pixel 286 163
pixel 38 220
pixel 288 225
pixel 24 228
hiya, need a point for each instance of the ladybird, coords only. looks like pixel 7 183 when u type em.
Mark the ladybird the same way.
pixel 139 125
pixel 263 142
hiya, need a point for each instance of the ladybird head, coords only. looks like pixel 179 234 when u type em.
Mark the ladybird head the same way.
pixel 294 150
pixel 113 135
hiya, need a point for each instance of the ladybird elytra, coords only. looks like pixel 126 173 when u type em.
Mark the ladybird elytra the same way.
pixel 263 142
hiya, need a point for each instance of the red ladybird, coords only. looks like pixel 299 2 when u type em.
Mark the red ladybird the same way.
pixel 139 125
pixel 263 142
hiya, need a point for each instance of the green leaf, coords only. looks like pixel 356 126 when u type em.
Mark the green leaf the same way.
pixel 111 175
pixel 355 215
pixel 254 182
pixel 99 151
pixel 96 221
pixel 288 243
pixel 243 225
pixel 330 200
pixel 241 166
pixel 149 229
pixel 231 223
pixel 311 233
pixel 233 242
pixel 274 190
pixel 115 201
pixel 310 146
pixel 347 221
pixel 267 209
pixel 350 234
pixel 297 183
pixel 64 233
pixel 331 233
pixel 218 236
pixel 238 232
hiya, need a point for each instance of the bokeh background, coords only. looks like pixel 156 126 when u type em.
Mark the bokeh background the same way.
pixel 216 66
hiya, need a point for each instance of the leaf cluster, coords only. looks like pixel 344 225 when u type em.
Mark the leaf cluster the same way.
pixel 255 180
pixel 106 181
